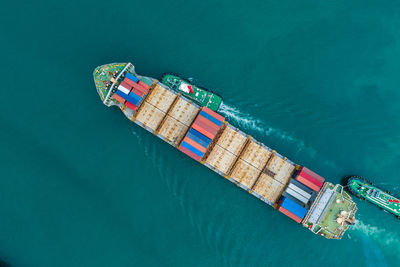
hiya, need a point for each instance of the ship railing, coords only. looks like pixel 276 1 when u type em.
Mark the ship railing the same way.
pixel 107 98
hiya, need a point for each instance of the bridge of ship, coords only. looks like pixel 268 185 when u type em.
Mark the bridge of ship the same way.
pixel 329 204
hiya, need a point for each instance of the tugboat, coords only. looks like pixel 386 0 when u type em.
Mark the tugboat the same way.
pixel 366 190
pixel 200 96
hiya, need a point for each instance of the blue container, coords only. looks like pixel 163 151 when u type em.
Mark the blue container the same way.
pixel 134 100
pixel 287 195
pixel 210 118
pixel 122 94
pixel 197 140
pixel 200 136
pixel 132 94
pixel 193 149
pixel 293 207
pixel 131 77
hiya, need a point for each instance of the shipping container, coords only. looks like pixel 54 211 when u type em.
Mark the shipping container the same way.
pixel 213 114
pixel 310 178
pixel 189 153
pixel 287 195
pixel 131 106
pixel 122 94
pixel 293 207
pixel 130 83
pixel 133 98
pixel 123 89
pixel 126 85
pixel 206 126
pixel 200 120
pixel 131 77
pixel 203 131
pixel 308 183
pixel 147 87
pixel 147 81
pixel 140 88
pixel 313 174
pixel 296 195
pixel 211 118
pixel 300 191
pixel 119 99
pixel 290 215
pixel 302 186
pixel 208 122
pixel 192 148
pixel 198 137
pixel 194 144
pixel 140 93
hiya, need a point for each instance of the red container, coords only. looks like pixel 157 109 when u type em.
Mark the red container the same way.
pixel 140 88
pixel 130 82
pixel 310 178
pixel 206 126
pixel 289 214
pixel 126 85
pixel 313 174
pixel 207 121
pixel 118 98
pixel 203 131
pixel 138 92
pixel 308 183
pixel 214 114
pixel 194 144
pixel 130 105
pixel 189 153
pixel 144 85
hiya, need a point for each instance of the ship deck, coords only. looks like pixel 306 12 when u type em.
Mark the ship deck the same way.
pixel 102 76
pixel 333 200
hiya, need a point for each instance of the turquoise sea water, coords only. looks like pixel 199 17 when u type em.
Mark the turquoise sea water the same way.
pixel 82 186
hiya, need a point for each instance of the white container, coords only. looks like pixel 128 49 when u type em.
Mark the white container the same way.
pixel 300 191
pixel 296 195
pixel 123 89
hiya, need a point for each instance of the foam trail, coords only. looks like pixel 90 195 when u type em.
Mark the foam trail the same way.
pixel 382 237
pixel 137 136
pixel 246 121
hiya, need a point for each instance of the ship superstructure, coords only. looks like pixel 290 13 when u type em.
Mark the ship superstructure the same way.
pixel 208 138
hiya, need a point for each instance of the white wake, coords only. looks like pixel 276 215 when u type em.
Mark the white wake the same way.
pixel 248 122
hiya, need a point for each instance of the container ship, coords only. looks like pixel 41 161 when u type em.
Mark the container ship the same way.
pixel 208 138
pixel 365 190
